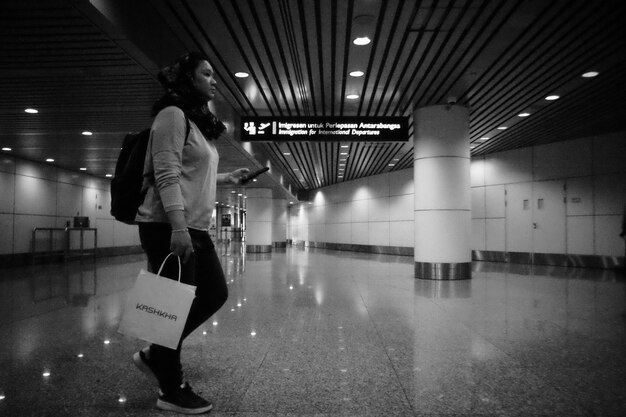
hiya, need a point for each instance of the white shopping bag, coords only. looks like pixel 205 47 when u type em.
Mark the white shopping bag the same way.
pixel 157 308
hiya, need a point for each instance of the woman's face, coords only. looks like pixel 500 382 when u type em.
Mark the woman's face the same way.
pixel 203 80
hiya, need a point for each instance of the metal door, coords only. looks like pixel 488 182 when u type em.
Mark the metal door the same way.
pixel 549 217
pixel 519 236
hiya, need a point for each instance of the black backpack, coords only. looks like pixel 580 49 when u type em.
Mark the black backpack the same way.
pixel 126 192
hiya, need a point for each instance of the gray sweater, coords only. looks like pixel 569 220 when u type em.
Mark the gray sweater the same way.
pixel 179 175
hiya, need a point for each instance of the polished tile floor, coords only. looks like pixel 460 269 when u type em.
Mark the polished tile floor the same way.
pixel 326 333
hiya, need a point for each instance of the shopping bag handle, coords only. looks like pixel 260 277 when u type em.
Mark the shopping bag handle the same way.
pixel 165 260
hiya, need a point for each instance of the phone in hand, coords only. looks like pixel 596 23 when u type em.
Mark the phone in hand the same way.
pixel 247 178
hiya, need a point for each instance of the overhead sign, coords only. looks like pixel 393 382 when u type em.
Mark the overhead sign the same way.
pixel 325 129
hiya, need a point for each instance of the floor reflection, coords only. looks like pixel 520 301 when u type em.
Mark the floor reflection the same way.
pixel 310 331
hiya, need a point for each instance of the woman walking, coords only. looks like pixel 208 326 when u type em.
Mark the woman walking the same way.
pixel 180 176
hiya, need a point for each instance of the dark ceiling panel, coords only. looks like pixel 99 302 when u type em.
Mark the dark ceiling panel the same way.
pixel 90 66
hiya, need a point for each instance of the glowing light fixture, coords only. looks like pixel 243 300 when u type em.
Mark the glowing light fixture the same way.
pixel 86 133
pixel 552 97
pixel 484 138
pixel 7 149
pixel 357 74
pixel 590 74
pixel 362 41
pixel 49 160
pixel 83 169
pixel 502 127
pixel 352 96
pixel 108 175
pixel 242 74
pixel 31 111
pixel 523 115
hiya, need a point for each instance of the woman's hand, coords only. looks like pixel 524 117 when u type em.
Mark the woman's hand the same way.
pixel 237 175
pixel 180 244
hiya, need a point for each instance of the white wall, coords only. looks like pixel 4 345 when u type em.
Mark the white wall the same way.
pixel 376 210
pixel 581 184
pixel 40 195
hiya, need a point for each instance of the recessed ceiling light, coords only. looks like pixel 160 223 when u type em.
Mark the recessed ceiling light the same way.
pixel 591 74
pixel 484 138
pixel 286 153
pixel 552 97
pixel 345 146
pixel 357 74
pixel 83 169
pixel 86 133
pixel 7 149
pixel 352 96
pixel 108 175
pixel 343 153
pixel 392 165
pixel 49 160
pixel 523 115
pixel 502 127
pixel 362 41
pixel 242 74
pixel 31 111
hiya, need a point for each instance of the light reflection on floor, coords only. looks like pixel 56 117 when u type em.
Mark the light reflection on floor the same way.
pixel 326 333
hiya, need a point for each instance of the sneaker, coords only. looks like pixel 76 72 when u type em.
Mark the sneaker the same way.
pixel 142 362
pixel 183 400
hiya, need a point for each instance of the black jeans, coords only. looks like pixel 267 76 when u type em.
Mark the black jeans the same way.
pixel 203 269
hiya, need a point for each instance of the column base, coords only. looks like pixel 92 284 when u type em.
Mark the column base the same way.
pixel 443 271
pixel 258 248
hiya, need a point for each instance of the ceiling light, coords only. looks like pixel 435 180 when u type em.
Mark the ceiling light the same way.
pixel 343 153
pixel 49 160
pixel 552 97
pixel 7 149
pixel 352 96
pixel 31 111
pixel 523 115
pixel 108 175
pixel 590 74
pixel 241 74
pixel 392 165
pixel 484 138
pixel 357 74
pixel 83 169
pixel 502 127
pixel 286 153
pixel 345 146
pixel 362 41
pixel 86 133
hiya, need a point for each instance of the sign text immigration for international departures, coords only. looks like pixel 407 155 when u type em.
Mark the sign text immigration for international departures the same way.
pixel 325 129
